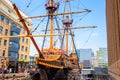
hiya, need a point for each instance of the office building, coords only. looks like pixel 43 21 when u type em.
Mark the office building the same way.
pixel 94 61
pixel 85 57
pixel 15 49
pixel 102 57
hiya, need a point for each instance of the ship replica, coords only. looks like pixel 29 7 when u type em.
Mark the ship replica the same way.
pixel 55 63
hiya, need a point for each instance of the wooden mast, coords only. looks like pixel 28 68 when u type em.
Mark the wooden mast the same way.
pixel 67 19
pixel 51 25
pixel 73 51
pixel 67 24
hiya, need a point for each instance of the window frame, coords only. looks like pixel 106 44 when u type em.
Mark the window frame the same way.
pixel 1 29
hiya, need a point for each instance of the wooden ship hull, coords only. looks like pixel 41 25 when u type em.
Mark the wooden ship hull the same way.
pixel 55 66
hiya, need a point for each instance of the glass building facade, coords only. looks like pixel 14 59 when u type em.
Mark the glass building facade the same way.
pixel 85 57
pixel 14 43
pixel 102 57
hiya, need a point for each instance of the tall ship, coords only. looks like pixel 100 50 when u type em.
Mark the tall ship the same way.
pixel 56 61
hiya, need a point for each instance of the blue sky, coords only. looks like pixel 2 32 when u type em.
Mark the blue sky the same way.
pixel 84 38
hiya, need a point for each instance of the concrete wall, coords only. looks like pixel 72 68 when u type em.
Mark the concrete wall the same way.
pixel 113 33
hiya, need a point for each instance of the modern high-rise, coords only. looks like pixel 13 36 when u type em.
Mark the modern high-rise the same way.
pixel 102 57
pixel 94 61
pixel 15 49
pixel 85 57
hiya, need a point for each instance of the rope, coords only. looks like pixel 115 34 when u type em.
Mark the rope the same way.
pixel 87 39
pixel 75 50
pixel 45 33
pixel 62 41
pixel 60 38
pixel 70 8
pixel 82 16
pixel 29 3
pixel 38 25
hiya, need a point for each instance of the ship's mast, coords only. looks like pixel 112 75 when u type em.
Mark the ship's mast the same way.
pixel 67 27
pixel 73 51
pixel 67 24
pixel 51 26
pixel 51 7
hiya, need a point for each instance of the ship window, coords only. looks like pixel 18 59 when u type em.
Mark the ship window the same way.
pixel 1 29
pixel 5 42
pixel 6 32
pixel 2 17
pixel 7 21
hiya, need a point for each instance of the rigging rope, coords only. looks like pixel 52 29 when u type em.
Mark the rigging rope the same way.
pixel 81 4
pixel 87 39
pixel 35 8
pixel 38 25
pixel 83 16
pixel 75 49
pixel 45 33
pixel 60 38
pixel 29 3
pixel 70 8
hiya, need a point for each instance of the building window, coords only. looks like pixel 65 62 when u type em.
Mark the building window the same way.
pixel 21 56
pixel 18 56
pixel 1 29
pixel 13 34
pixel 9 11
pixel 23 31
pixel 25 56
pixel 7 21
pixel 22 39
pixel 6 31
pixel 26 41
pixel 5 42
pixel 3 53
pixel 22 49
pixel 13 44
pixel 2 18
pixel 0 40
pixel 13 24
pixel 26 49
pixel 9 54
